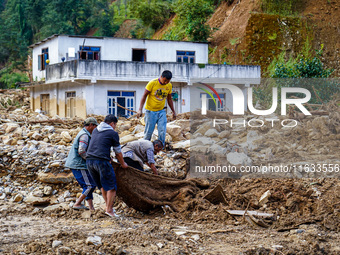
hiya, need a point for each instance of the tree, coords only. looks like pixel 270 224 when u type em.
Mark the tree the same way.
pixel 194 14
pixel 153 14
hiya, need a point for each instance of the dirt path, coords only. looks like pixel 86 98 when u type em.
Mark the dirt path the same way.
pixel 22 232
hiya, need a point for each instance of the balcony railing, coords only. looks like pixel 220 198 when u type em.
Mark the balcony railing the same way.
pixel 144 71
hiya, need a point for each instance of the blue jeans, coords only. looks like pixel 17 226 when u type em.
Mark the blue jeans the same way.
pixel 102 173
pixel 85 180
pixel 151 119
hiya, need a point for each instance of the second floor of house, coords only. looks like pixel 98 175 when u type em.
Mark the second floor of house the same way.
pixel 63 48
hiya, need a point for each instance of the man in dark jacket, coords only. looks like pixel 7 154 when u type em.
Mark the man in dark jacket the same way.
pixel 98 160
pixel 76 161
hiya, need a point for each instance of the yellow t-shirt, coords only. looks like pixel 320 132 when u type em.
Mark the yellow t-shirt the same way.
pixel 158 93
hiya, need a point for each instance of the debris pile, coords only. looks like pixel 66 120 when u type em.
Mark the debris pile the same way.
pixel 11 99
pixel 34 148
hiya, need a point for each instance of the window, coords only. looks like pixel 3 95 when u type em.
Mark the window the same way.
pixel 70 104
pixel 125 100
pixel 185 57
pixel 211 104
pixel 139 55
pixel 89 52
pixel 45 103
pixel 42 59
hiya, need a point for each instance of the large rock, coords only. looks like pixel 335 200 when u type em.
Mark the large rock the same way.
pixel 36 136
pixel 125 126
pixel 96 240
pixel 202 141
pixel 138 129
pixel 55 179
pixel 17 132
pixel 48 129
pixel 217 150
pixel 237 158
pixel 211 133
pixel 173 130
pixel 182 144
pixel 224 134
pixel 56 206
pixel 204 127
pixel 127 138
pixel 10 127
pixel 252 136
pixel 36 200
pixel 66 137
pixel 98 200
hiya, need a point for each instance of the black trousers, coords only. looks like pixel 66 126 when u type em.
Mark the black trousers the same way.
pixel 132 163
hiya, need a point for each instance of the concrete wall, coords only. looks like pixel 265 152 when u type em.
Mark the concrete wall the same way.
pixel 196 101
pixel 52 46
pixel 96 94
pixel 91 98
pixel 121 48
pixel 137 71
pixel 57 93
pixel 49 89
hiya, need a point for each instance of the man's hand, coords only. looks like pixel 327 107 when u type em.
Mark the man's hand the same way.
pixel 124 165
pixel 174 116
pixel 139 113
pixel 153 168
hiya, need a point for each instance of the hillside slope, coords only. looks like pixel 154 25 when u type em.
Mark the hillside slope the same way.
pixel 246 35
pixel 243 34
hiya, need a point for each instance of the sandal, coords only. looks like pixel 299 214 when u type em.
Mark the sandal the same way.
pixel 115 215
pixel 82 207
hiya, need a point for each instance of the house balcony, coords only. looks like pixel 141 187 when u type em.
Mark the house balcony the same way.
pixel 145 71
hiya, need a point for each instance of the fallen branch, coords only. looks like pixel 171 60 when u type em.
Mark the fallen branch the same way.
pixel 319 112
pixel 317 95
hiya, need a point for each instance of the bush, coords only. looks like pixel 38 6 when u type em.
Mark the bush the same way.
pixel 153 14
pixel 9 80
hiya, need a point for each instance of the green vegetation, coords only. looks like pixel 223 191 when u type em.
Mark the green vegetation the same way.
pixel 24 22
pixel 282 7
pixel 190 20
pixel 9 79
pixel 305 71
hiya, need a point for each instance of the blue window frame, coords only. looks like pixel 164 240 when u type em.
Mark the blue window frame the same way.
pixel 89 52
pixel 125 99
pixel 42 59
pixel 210 102
pixel 185 56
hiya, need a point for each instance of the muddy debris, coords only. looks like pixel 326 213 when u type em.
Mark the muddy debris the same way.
pixel 37 192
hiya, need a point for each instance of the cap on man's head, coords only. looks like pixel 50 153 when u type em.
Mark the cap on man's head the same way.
pixel 89 121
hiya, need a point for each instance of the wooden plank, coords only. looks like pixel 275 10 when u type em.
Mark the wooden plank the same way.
pixel 253 213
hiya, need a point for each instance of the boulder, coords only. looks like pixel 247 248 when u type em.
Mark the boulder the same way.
pixel 224 134
pixel 66 137
pixel 10 127
pixel 173 130
pixel 237 158
pixel 211 133
pixel 55 179
pixel 127 138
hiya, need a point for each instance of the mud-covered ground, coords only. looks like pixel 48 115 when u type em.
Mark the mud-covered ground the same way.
pixel 36 218
pixel 306 221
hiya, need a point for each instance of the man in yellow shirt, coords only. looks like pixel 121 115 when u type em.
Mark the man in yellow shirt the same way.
pixel 155 94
